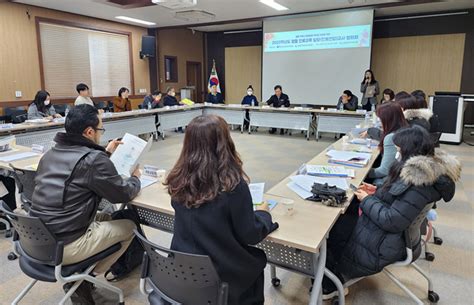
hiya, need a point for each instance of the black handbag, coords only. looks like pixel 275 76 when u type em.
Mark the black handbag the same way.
pixel 328 195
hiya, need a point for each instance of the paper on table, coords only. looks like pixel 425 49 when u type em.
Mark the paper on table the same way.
pixel 256 190
pixel 306 182
pixel 299 190
pixel 18 156
pixel 323 170
pixel 147 181
pixel 342 155
pixel 127 155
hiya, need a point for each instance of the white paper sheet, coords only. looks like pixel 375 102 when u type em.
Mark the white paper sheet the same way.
pixel 325 171
pixel 127 155
pixel 299 190
pixel 19 156
pixel 256 190
pixel 147 181
pixel 342 155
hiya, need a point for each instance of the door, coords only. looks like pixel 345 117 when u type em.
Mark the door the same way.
pixel 194 79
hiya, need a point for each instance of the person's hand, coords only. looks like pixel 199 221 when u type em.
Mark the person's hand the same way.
pixel 345 102
pixel 112 146
pixel 57 115
pixel 361 194
pixel 263 207
pixel 137 173
pixel 368 188
pixel 363 134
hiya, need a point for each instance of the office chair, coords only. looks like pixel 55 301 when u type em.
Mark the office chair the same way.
pixel 16 115
pixel 178 278
pixel 413 249
pixel 25 181
pixel 41 256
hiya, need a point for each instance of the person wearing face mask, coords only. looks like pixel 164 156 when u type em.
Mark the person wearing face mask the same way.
pixel 170 98
pixel 363 243
pixel 392 119
pixel 41 107
pixel 250 100
pixel 121 101
pixel 214 97
pixel 71 180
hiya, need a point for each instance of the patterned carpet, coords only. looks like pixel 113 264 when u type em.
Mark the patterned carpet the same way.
pixel 269 158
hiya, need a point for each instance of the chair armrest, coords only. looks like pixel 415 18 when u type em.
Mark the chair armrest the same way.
pixel 59 253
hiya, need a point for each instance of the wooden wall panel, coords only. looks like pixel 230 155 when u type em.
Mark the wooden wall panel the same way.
pixel 243 66
pixel 431 63
pixel 19 62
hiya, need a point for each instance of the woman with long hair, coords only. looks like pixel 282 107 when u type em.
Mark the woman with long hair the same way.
pixel 392 119
pixel 214 212
pixel 375 239
pixel 370 89
pixel 41 107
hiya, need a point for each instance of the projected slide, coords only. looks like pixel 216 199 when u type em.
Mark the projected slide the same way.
pixel 356 36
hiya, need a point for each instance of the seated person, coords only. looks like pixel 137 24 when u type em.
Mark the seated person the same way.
pixel 391 117
pixel 415 109
pixel 388 96
pixel 277 100
pixel 71 180
pixel 250 100
pixel 214 212
pixel 214 97
pixel 121 102
pixel 152 101
pixel 170 97
pixel 83 97
pixel 348 100
pixel 363 245
pixel 41 107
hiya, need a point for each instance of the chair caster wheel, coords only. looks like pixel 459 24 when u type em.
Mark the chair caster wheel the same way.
pixel 437 241
pixel 429 256
pixel 8 234
pixel 12 256
pixel 276 282
pixel 433 297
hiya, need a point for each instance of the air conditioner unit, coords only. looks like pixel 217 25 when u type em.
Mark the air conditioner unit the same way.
pixel 175 4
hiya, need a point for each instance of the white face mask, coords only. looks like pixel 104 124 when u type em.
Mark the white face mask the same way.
pixel 46 103
pixel 249 92
pixel 172 93
pixel 398 156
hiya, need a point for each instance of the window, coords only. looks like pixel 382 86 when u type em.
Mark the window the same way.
pixel 72 55
pixel 171 69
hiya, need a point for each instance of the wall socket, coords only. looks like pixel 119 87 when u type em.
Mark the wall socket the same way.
pixel 18 94
pixel 142 90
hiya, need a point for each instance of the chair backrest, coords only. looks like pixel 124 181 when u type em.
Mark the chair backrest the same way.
pixel 25 180
pixel 413 233
pixel 35 240
pixel 140 106
pixel 16 115
pixel 183 278
pixel 61 109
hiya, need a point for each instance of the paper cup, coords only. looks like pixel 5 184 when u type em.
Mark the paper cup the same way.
pixel 289 205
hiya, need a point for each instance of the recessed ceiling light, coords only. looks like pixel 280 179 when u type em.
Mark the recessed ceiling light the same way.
pixel 135 20
pixel 274 5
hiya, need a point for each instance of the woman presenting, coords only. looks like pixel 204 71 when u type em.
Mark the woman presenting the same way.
pixel 370 89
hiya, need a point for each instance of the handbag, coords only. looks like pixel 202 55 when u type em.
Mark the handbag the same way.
pixel 328 195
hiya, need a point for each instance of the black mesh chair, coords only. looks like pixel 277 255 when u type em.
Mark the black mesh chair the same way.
pixel 41 256
pixel 25 181
pixel 16 115
pixel 61 109
pixel 414 247
pixel 178 278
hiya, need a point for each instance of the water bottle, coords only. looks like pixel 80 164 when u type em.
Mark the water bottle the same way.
pixel 373 108
pixel 253 103
pixel 66 112
pixel 367 119
pixel 341 107
pixel 149 106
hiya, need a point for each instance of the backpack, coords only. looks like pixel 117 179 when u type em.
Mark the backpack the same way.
pixel 133 256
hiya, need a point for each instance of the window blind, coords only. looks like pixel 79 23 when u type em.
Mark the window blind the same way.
pixel 75 55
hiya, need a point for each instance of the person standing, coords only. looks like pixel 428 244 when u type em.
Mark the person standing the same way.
pixel 121 102
pixel 83 98
pixel 278 100
pixel 370 89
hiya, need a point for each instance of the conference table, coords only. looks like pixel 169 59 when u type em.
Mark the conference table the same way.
pixel 144 121
pixel 299 244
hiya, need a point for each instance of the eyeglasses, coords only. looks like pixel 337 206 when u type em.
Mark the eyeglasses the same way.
pixel 102 130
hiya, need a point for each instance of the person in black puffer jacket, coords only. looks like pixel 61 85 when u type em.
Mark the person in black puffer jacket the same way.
pixel 376 238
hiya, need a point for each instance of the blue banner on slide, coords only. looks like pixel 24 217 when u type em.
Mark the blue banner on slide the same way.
pixel 357 36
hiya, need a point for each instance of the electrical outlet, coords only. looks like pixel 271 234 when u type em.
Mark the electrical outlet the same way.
pixel 142 90
pixel 18 94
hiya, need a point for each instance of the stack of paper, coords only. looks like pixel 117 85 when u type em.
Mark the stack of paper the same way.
pixel 329 171
pixel 349 158
pixel 256 191
pixel 302 184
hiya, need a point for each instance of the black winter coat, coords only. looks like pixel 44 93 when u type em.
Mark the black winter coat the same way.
pixel 225 229
pixel 378 238
pixel 425 118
